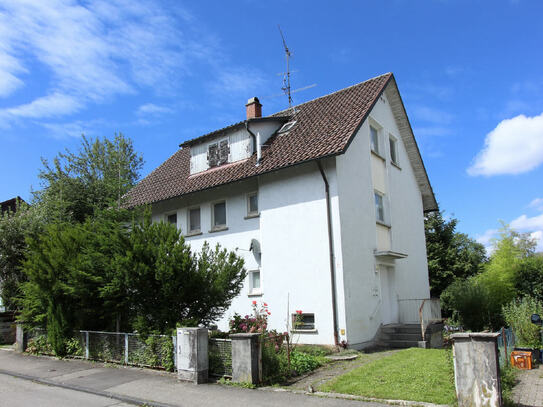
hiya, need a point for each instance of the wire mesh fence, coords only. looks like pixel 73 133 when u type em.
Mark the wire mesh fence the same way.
pixel 220 357
pixel 506 343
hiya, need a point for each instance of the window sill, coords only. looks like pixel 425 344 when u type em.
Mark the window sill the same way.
pixel 194 233
pixel 383 224
pixel 304 331
pixel 378 155
pixel 218 229
pixel 396 165
pixel 255 294
pixel 252 215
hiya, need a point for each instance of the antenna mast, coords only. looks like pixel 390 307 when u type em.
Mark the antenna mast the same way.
pixel 286 77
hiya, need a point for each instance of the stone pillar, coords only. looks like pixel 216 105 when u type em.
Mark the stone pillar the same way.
pixel 246 358
pixel 192 354
pixel 21 339
pixel 477 369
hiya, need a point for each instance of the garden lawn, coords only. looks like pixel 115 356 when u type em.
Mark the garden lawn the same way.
pixel 411 374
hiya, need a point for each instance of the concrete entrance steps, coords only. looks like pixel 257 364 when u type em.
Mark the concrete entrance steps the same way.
pixel 399 336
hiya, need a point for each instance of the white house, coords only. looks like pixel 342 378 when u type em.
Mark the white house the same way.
pixel 324 201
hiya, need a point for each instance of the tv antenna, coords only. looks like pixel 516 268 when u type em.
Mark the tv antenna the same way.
pixel 286 75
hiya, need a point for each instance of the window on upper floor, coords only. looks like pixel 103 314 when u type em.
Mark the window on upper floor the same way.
pixel 252 204
pixel 218 213
pixel 379 207
pixel 286 127
pixel 194 220
pixel 302 321
pixel 172 218
pixel 217 153
pixel 393 144
pixel 374 139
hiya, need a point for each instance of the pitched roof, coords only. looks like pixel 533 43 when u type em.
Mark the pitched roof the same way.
pixel 324 127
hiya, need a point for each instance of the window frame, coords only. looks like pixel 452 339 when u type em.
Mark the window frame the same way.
pixel 382 199
pixel 311 329
pixel 393 150
pixel 252 214
pixel 167 218
pixel 252 290
pixel 217 228
pixel 190 231
pixel 375 147
pixel 285 128
pixel 218 144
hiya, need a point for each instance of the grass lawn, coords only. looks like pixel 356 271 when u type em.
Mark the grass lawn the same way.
pixel 411 374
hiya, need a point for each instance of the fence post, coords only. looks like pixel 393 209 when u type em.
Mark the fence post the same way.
pixel 246 358
pixel 477 369
pixel 192 354
pixel 86 344
pixel 126 349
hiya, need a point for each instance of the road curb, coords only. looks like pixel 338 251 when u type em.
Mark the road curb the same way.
pixel 126 399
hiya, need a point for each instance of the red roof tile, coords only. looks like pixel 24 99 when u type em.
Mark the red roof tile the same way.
pixel 324 127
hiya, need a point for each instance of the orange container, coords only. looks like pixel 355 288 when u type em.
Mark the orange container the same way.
pixel 521 359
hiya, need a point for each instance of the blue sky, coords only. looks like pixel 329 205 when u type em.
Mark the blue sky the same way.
pixel 470 74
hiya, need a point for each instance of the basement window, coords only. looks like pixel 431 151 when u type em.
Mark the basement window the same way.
pixel 303 322
pixel 287 126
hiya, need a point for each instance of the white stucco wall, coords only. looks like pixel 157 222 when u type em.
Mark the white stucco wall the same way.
pixel 364 291
pixel 292 230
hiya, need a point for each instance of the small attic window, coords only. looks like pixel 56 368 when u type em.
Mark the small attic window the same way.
pixel 287 126
pixel 217 153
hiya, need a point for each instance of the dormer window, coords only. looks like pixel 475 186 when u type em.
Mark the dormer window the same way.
pixel 287 126
pixel 217 153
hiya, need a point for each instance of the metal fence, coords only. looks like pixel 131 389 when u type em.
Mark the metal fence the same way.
pixel 220 357
pixel 506 343
pixel 156 351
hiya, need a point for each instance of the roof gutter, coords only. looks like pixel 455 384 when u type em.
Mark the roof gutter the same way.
pixel 331 250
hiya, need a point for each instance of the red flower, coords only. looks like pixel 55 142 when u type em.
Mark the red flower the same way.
pixel 269 313
pixel 254 302
pixel 299 312
pixel 265 304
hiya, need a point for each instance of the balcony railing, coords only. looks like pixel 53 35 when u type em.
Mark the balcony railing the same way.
pixel 422 311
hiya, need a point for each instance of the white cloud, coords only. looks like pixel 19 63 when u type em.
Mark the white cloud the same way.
pixel 152 109
pixel 536 203
pixel 513 147
pixel 96 50
pixel 486 239
pixel 526 223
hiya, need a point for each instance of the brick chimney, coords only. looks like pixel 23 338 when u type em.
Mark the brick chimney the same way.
pixel 254 108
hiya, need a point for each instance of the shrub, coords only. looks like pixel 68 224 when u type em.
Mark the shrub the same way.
pixel 468 303
pixel 517 315
pixel 303 362
pixel 255 323
pixel 39 345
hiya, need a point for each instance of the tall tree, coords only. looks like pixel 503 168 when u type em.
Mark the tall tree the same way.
pixel 451 254
pixel 75 185
pixel 15 227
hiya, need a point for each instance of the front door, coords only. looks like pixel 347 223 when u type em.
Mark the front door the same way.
pixel 389 297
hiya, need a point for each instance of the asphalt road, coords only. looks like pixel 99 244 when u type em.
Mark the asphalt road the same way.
pixel 16 392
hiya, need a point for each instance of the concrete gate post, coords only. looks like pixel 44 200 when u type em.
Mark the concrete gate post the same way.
pixel 192 354
pixel 21 339
pixel 477 369
pixel 246 358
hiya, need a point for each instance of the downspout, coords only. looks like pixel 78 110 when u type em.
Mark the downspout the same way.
pixel 256 142
pixel 331 249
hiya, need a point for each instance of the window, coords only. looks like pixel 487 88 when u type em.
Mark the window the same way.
pixel 379 207
pixel 252 204
pixel 374 138
pixel 219 215
pixel 217 153
pixel 254 282
pixel 286 127
pixel 172 218
pixel 303 322
pixel 194 220
pixel 393 150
